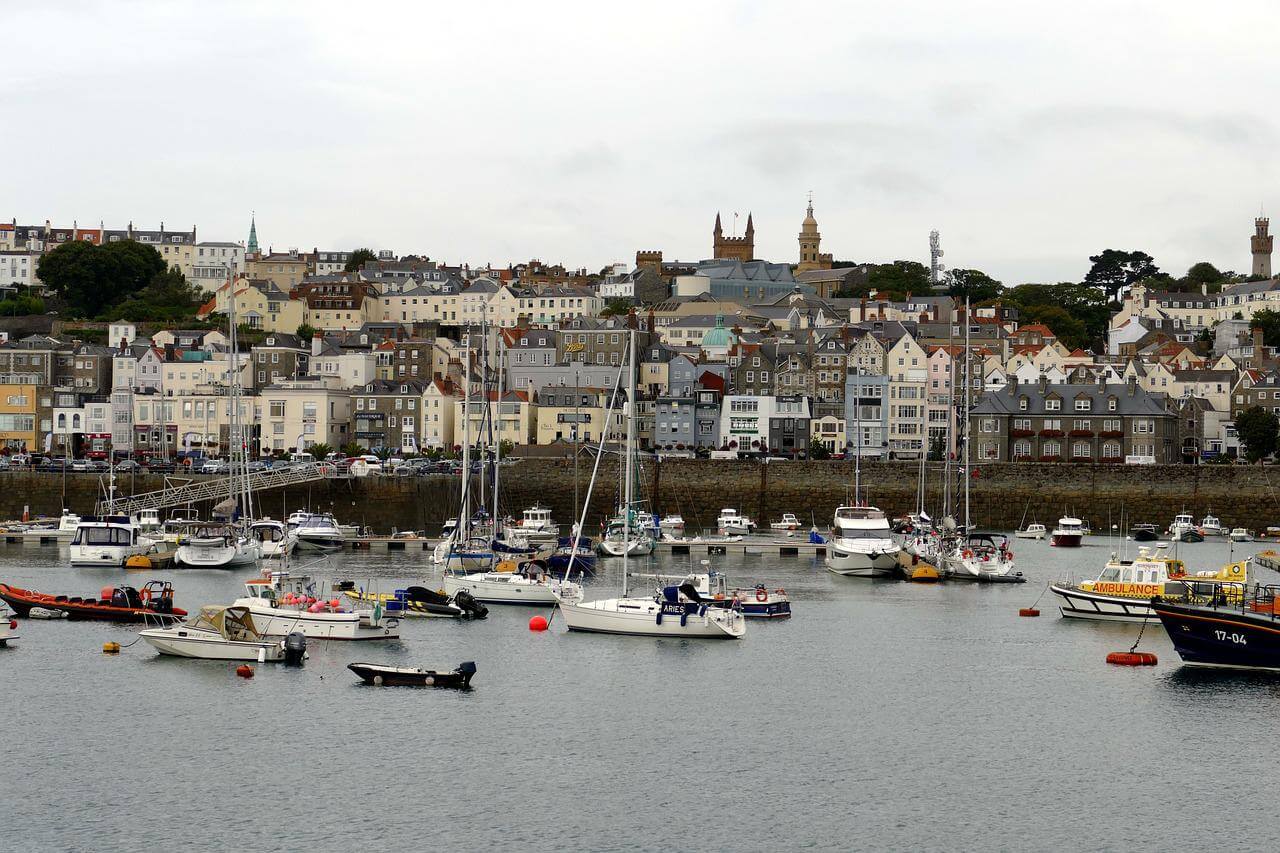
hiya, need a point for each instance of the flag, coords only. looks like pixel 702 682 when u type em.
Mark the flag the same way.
pixel 48 442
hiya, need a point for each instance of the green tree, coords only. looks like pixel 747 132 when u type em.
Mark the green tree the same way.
pixel 899 278
pixel 1257 430
pixel 352 449
pixel 1115 271
pixel 818 450
pixel 306 332
pixel 358 259
pixel 618 305
pixel 1269 322
pixel 319 450
pixel 92 278
pixel 1203 273
pixel 168 296
pixel 1084 317
pixel 975 284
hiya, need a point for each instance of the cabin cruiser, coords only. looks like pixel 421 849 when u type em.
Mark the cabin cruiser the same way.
pixel 215 545
pixel 65 530
pixel 535 526
pixel 224 633
pixel 274 539
pixel 1183 523
pixel 509 584
pixel 108 541
pixel 1032 531
pixel 861 543
pixel 1211 526
pixel 1240 534
pixel 150 525
pixel 1144 533
pixel 673 611
pixel 671 526
pixel 283 604
pixel 984 557
pixel 758 601
pixel 731 521
pixel 319 531
pixel 1068 533
pixel 1123 590
pixel 788 523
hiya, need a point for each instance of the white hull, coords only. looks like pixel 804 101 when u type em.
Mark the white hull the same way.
pixel 843 559
pixel 1078 604
pixel 637 547
pixel 195 556
pixel 510 588
pixel 280 622
pixel 209 646
pixel 106 555
pixel 1029 534
pixel 959 568
pixel 320 543
pixel 639 617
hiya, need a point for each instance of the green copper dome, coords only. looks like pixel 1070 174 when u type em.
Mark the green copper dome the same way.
pixel 719 337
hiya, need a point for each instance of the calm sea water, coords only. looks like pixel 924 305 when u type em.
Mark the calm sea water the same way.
pixel 884 715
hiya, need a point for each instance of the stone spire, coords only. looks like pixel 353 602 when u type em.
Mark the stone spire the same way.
pixel 252 247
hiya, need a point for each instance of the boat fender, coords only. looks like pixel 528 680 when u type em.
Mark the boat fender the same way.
pixel 659 622
pixel 684 618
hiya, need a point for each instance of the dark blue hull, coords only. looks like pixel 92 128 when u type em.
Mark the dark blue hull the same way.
pixel 1207 636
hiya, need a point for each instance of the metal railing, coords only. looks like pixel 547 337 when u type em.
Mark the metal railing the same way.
pixel 222 488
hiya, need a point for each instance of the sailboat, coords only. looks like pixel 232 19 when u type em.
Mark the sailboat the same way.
pixel 629 532
pixel 675 610
pixel 862 543
pixel 977 556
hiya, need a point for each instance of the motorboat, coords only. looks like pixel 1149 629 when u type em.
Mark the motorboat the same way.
pixel 64 530
pixel 275 540
pixel 7 626
pixel 225 633
pixel 757 602
pixel 619 535
pixel 108 541
pixel 1229 631
pixel 862 544
pixel 535 526
pixel 671 526
pixel 788 523
pixel 380 675
pixel 418 601
pixel 150 525
pixel 982 557
pixel 674 611
pixel 214 545
pixel 1144 533
pixel 1240 534
pixel 1183 523
pixel 1211 526
pixel 319 531
pixel 1032 531
pixel 1123 590
pixel 511 584
pixel 731 521
pixel 154 602
pixel 1068 533
pixel 283 604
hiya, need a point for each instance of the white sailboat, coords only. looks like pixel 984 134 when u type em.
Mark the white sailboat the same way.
pixel 215 545
pixel 274 538
pixel 675 611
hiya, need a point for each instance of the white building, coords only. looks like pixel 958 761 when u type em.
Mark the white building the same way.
pixel 215 263
pixel 18 268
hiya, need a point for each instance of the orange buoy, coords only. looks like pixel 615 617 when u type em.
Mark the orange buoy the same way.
pixel 1028 611
pixel 1132 658
pixel 538 623
pixel 244 671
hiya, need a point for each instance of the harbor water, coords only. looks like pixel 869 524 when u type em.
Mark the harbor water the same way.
pixel 883 715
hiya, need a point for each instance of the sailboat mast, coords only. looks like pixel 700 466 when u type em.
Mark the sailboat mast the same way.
pixel 951 420
pixel 464 516
pixel 968 404
pixel 857 456
pixel 497 444
pixel 630 451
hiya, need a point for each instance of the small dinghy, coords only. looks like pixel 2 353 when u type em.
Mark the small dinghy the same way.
pixel 403 676
pixel 419 601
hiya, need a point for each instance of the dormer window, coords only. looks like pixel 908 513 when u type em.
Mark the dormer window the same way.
pixel 1053 404
pixel 1111 404
pixel 1022 404
pixel 1084 404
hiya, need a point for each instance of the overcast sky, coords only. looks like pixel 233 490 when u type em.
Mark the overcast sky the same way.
pixel 1030 134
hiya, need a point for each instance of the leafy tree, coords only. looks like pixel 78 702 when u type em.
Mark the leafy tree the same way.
pixel 1115 271
pixel 359 258
pixel 1083 314
pixel 351 448
pixel 319 450
pixel 169 296
pixel 16 306
pixel 505 447
pixel 618 305
pixel 818 450
pixel 306 332
pixel 1203 273
pixel 898 279
pixel 975 284
pixel 92 278
pixel 1257 430
pixel 1269 322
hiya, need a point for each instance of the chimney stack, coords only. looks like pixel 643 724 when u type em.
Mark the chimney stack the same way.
pixel 1258 347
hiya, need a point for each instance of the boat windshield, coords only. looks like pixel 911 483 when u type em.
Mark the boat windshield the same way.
pixel 102 536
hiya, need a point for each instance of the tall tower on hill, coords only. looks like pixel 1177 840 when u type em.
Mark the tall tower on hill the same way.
pixel 736 248
pixel 810 242
pixel 1260 243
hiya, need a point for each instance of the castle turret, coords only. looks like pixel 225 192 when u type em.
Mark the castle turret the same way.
pixel 735 248
pixel 1260 243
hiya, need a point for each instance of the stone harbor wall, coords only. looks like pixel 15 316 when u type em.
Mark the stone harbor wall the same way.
pixel 1244 496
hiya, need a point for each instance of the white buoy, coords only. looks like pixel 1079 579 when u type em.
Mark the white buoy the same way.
pixel 262 655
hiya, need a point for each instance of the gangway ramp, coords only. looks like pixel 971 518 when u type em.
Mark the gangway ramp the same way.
pixel 222 488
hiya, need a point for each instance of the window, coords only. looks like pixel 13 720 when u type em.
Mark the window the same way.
pixel 1021 449
pixel 1081 449
pixel 1020 423
pixel 1111 404
pixel 1144 426
pixel 1084 404
pixel 1111 450
pixel 987 425
pixel 1052 448
pixel 1052 404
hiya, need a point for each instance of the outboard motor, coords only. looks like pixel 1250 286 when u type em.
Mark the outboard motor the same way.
pixel 344 586
pixel 471 609
pixel 466 669
pixel 295 648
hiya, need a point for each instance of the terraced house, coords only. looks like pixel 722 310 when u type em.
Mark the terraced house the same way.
pixel 1098 422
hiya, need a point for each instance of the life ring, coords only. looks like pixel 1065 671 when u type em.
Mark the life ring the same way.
pixel 1236 569
pixel 762 594
pixel 967 554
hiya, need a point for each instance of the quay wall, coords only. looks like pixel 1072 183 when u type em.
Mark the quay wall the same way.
pixel 1244 496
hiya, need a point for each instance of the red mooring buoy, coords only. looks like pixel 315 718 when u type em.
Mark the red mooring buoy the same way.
pixel 1132 658
pixel 538 623
pixel 244 671
pixel 1028 611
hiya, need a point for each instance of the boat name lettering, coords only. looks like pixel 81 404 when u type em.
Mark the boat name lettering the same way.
pixel 1144 590
pixel 1238 639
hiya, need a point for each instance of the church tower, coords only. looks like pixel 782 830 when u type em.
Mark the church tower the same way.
pixel 736 248
pixel 810 242
pixel 252 247
pixel 1260 243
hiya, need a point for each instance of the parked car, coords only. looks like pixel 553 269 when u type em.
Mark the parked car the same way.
pixel 255 465
pixel 213 466
pixel 81 465
pixel 160 466
pixel 127 466
pixel 20 460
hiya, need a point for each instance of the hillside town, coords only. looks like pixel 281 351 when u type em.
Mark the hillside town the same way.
pixel 356 351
